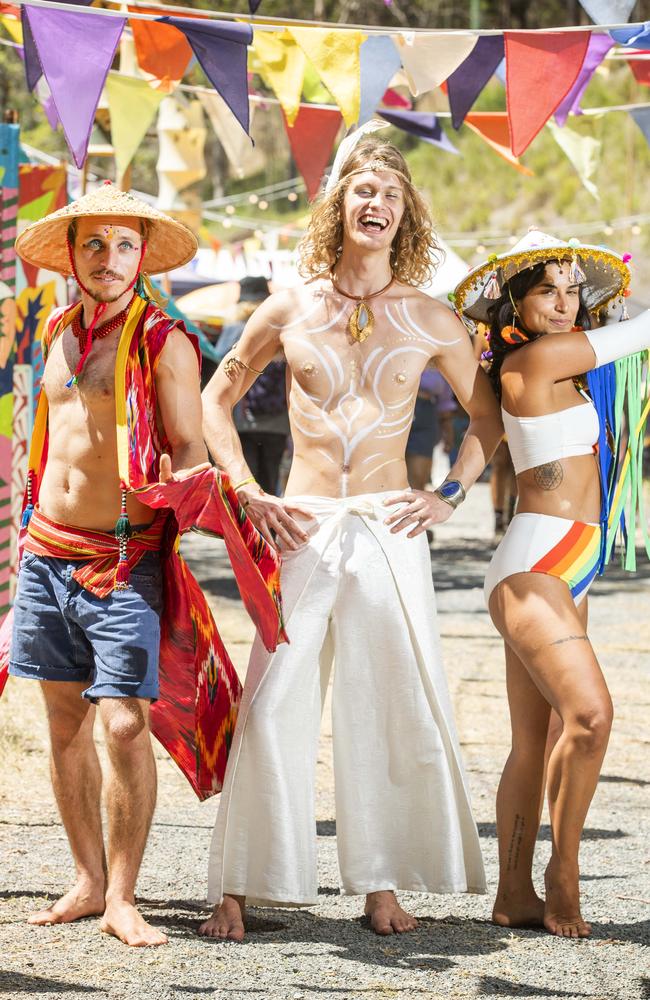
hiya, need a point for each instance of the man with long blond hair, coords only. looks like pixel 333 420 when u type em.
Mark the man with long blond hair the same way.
pixel 356 577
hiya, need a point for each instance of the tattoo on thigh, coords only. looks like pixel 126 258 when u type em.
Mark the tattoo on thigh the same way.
pixel 548 476
pixel 570 638
pixel 515 843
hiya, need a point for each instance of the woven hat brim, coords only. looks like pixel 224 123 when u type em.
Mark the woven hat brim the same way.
pixel 170 244
pixel 607 277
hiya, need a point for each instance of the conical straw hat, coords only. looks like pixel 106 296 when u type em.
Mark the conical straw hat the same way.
pixel 606 273
pixel 170 244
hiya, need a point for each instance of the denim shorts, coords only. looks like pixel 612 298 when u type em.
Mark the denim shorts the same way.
pixel 62 632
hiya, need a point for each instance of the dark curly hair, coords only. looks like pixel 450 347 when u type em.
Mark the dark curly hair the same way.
pixel 502 314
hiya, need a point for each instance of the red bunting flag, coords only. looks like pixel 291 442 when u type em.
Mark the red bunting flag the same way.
pixel 541 68
pixel 311 139
pixel 492 126
pixel 641 67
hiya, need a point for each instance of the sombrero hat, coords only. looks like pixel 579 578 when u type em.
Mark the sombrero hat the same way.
pixel 170 244
pixel 603 274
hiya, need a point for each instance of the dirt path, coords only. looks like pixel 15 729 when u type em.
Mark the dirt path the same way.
pixel 326 952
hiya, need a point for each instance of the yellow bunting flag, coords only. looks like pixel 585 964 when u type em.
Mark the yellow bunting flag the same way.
pixel 335 57
pixel 282 66
pixel 13 28
pixel 582 149
pixel 429 59
pixel 133 104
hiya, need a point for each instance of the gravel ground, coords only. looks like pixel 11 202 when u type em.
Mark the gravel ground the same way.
pixel 326 951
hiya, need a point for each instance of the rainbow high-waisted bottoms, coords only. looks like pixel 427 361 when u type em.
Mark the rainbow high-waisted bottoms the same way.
pixel 540 543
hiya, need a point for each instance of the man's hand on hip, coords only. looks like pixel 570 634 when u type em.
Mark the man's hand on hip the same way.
pixel 272 516
pixel 422 509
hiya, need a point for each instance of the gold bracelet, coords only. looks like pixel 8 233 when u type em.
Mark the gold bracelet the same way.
pixel 231 367
pixel 244 482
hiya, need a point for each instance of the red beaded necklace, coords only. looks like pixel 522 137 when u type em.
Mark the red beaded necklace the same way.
pixel 100 331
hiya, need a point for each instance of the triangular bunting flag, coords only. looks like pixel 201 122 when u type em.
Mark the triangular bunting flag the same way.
pixel 76 52
pixel 220 47
pixel 422 124
pixel 253 6
pixel 379 62
pixel 640 69
pixel 492 126
pixel 282 64
pixel 13 28
pixel 162 51
pixel 599 46
pixel 541 68
pixel 237 145
pixel 33 70
pixel 635 37
pixel 583 152
pixel 466 83
pixel 335 57
pixel 311 140
pixel 430 59
pixel 642 117
pixel 133 104
pixel 608 11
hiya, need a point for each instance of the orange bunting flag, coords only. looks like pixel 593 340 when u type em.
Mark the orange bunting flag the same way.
pixel 162 51
pixel 311 139
pixel 492 126
pixel 541 68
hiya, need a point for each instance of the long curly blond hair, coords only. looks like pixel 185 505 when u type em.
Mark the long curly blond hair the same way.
pixel 414 254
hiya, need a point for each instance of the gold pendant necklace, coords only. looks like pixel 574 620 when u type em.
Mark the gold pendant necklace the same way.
pixel 362 320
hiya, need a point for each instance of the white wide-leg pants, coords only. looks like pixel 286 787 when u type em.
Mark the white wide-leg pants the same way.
pixel 364 598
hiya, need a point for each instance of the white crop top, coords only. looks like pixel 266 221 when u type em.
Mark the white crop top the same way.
pixel 552 436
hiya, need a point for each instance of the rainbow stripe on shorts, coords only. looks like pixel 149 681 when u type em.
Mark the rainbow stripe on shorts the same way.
pixel 574 558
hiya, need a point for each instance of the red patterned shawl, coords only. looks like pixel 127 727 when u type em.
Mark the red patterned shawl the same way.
pixel 195 716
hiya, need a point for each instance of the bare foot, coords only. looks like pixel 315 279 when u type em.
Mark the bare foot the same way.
pixel 562 911
pixel 85 899
pixel 227 920
pixel 524 911
pixel 122 920
pixel 386 915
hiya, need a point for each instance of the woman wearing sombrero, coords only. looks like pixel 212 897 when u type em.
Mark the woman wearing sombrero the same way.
pixel 561 427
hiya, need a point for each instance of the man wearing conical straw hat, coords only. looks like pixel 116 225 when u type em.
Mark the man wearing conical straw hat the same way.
pixel 120 406
pixel 356 577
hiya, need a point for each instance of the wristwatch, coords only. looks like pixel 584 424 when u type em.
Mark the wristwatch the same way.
pixel 452 492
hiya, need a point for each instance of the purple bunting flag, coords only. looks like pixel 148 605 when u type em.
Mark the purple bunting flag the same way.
pixel 466 83
pixel 76 52
pixel 253 5
pixel 421 124
pixel 642 118
pixel 33 69
pixel 599 46
pixel 220 47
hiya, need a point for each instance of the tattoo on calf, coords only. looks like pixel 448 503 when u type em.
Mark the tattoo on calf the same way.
pixel 515 842
pixel 549 476
pixel 570 638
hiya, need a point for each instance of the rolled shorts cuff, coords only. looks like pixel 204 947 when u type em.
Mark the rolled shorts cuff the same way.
pixel 38 672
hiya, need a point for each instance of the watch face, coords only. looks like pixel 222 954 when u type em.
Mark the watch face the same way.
pixel 450 489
